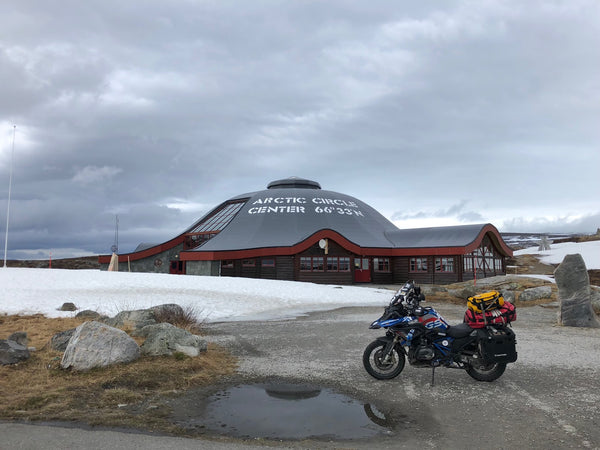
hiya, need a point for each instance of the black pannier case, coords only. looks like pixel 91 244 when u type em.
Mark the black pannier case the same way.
pixel 498 345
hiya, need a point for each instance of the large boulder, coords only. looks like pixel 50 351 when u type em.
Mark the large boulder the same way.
pixel 12 352
pixel 165 339
pixel 95 344
pixel 536 293
pixel 574 293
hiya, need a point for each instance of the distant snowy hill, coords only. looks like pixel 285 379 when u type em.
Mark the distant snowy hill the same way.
pixel 589 250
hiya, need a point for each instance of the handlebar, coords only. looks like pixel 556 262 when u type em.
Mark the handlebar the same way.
pixel 409 296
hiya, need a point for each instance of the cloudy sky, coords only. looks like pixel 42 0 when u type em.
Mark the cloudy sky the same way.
pixel 434 113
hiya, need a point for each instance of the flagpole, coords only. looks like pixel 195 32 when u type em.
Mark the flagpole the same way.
pixel 12 157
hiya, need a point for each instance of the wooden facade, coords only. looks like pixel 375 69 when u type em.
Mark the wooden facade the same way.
pixel 315 266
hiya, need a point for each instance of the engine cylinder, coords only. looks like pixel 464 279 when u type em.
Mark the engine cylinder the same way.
pixel 424 353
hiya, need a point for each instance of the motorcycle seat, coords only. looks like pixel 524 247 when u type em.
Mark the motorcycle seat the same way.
pixel 459 331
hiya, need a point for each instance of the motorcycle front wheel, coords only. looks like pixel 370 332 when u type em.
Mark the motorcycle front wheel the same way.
pixel 486 372
pixel 378 365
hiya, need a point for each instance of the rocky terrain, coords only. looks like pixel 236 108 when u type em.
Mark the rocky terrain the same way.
pixel 85 262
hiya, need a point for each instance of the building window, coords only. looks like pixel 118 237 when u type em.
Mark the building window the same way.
pixel 320 264
pixel 305 263
pixel 381 264
pixel 498 264
pixel 248 263
pixel 418 264
pixel 468 263
pixel 445 264
pixel 338 264
pixel 220 219
pixel 317 264
pixel 227 264
pixel 332 264
pixel 344 264
pixel 268 262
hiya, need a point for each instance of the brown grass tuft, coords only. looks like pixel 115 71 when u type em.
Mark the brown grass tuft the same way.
pixel 188 320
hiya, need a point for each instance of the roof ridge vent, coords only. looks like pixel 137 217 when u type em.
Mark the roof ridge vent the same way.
pixel 294 183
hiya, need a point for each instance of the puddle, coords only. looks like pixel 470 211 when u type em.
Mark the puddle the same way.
pixel 281 411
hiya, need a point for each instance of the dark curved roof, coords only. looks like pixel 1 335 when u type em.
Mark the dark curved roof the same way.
pixel 452 236
pixel 283 216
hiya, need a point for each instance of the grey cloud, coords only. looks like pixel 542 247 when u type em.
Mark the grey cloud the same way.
pixel 454 211
pixel 589 223
pixel 123 106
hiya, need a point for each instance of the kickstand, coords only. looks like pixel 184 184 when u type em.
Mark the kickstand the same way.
pixel 432 375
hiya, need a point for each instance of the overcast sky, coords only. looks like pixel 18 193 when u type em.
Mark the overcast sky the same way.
pixel 434 113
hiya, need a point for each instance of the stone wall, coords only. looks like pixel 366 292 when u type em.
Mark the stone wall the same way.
pixel 206 268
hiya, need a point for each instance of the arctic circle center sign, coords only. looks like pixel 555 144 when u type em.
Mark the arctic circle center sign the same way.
pixel 302 205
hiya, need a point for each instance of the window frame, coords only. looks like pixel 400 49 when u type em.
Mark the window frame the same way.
pixel 382 265
pixel 441 267
pixel 413 264
pixel 267 262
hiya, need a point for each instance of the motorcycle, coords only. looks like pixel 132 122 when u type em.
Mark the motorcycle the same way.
pixel 423 336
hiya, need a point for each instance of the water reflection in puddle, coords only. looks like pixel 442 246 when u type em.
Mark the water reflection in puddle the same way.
pixel 283 411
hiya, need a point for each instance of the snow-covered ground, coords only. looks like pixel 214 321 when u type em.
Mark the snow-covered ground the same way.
pixel 590 251
pixel 27 291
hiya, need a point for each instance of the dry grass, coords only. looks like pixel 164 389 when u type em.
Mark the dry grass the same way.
pixel 38 389
pixel 186 319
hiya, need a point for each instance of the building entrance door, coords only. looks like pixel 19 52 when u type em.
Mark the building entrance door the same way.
pixel 362 270
pixel 177 267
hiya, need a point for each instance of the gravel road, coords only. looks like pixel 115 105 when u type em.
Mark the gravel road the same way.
pixel 549 398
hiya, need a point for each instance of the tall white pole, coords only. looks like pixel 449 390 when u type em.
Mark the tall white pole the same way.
pixel 12 157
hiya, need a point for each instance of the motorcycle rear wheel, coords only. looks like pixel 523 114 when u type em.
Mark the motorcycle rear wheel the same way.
pixel 486 372
pixel 377 367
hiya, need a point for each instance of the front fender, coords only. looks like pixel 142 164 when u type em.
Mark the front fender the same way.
pixel 385 339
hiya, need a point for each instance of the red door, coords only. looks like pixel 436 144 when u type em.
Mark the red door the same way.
pixel 362 270
pixel 177 267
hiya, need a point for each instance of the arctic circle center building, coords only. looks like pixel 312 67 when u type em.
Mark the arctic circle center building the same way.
pixel 294 230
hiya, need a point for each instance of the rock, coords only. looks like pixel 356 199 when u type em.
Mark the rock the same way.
pixel 574 293
pixel 60 340
pixel 167 310
pixel 12 353
pixel 68 306
pixel 95 344
pixel 596 299
pixel 508 296
pixel 134 320
pixel 166 339
pixel 433 290
pixel 20 337
pixel 536 293
pixel 88 314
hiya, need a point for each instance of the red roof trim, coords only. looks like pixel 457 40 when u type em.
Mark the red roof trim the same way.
pixel 348 245
pixel 310 241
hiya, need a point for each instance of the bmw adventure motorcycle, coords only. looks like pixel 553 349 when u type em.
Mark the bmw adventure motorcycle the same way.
pixel 423 336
